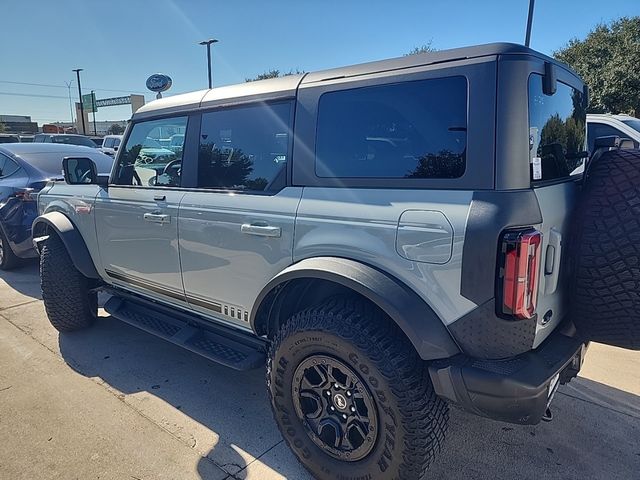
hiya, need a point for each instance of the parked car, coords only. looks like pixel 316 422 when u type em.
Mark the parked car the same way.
pixel 97 140
pixel 24 169
pixel 9 138
pixel 66 138
pixel 26 138
pixel 623 126
pixel 110 144
pixel 388 238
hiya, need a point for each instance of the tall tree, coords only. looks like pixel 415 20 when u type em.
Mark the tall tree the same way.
pixel 273 73
pixel 608 60
pixel 424 48
pixel 115 129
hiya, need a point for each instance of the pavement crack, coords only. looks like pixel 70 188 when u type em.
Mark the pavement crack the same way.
pixel 29 302
pixel 5 388
pixel 606 407
pixel 260 456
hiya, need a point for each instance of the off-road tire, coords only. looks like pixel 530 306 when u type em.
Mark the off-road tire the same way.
pixel 412 419
pixel 605 291
pixel 8 259
pixel 65 291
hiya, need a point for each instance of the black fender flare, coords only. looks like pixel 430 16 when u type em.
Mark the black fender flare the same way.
pixel 411 313
pixel 71 238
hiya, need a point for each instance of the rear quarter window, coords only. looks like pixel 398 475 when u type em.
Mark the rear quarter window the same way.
pixel 7 166
pixel 414 129
pixel 557 132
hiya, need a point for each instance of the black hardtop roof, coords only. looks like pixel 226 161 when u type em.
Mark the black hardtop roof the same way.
pixel 288 84
pixel 427 58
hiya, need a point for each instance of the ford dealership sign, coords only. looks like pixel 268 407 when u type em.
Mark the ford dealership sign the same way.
pixel 159 82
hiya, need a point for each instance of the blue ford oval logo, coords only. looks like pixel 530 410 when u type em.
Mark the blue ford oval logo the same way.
pixel 159 82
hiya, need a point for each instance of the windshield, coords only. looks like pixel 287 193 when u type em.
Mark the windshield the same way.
pixel 557 131
pixel 73 140
pixel 633 123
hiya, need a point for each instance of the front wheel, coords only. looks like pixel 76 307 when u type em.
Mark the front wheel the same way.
pixel 69 303
pixel 351 396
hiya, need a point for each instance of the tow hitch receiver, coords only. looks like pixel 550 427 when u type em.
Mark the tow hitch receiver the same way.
pixel 553 388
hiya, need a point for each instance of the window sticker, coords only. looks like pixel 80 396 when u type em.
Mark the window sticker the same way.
pixel 537 168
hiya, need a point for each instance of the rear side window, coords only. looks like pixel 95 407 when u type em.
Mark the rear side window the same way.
pixel 245 148
pixel 413 129
pixel 108 142
pixel 7 166
pixel 557 131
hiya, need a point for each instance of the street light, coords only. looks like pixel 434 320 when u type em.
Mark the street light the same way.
pixel 93 107
pixel 208 44
pixel 84 128
pixel 527 38
pixel 70 102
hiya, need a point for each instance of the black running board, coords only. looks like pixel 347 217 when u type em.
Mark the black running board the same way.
pixel 219 343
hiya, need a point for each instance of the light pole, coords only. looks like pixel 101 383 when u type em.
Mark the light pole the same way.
pixel 84 128
pixel 93 107
pixel 527 39
pixel 208 44
pixel 70 102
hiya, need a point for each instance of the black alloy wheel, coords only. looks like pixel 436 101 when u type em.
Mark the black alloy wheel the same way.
pixel 335 407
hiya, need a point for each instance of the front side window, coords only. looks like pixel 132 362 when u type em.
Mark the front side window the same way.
pixel 557 131
pixel 244 148
pixel 108 142
pixel 144 161
pixel 595 130
pixel 414 129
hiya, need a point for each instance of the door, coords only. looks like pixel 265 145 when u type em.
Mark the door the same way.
pixel 137 215
pixel 556 156
pixel 236 231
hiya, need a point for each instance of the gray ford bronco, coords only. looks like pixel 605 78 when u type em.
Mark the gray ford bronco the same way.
pixel 389 239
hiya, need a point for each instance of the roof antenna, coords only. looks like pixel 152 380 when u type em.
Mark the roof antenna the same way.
pixel 527 39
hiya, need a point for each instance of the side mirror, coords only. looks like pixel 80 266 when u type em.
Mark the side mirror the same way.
pixel 115 148
pixel 79 170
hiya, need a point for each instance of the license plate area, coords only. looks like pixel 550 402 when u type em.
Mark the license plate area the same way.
pixel 553 387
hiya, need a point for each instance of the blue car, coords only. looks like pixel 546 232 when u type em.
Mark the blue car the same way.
pixel 25 168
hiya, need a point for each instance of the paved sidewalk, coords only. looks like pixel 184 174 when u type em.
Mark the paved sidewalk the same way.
pixel 113 402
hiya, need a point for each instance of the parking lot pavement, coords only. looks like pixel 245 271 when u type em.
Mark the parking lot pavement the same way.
pixel 115 402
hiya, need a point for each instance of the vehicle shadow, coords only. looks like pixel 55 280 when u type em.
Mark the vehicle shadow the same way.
pixel 23 281
pixel 225 416
pixel 233 422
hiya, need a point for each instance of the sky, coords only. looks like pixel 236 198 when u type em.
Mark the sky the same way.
pixel 120 43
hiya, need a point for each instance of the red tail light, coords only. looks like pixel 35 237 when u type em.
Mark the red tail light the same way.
pixel 26 194
pixel 519 264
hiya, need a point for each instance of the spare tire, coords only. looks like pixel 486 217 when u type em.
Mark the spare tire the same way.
pixel 605 290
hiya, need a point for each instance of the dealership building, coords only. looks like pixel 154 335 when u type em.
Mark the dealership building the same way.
pixel 18 124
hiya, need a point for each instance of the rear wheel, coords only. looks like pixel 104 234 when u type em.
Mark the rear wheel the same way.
pixel 605 295
pixel 351 396
pixel 69 303
pixel 8 259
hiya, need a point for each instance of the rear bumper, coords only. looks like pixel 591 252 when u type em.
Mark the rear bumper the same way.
pixel 515 390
